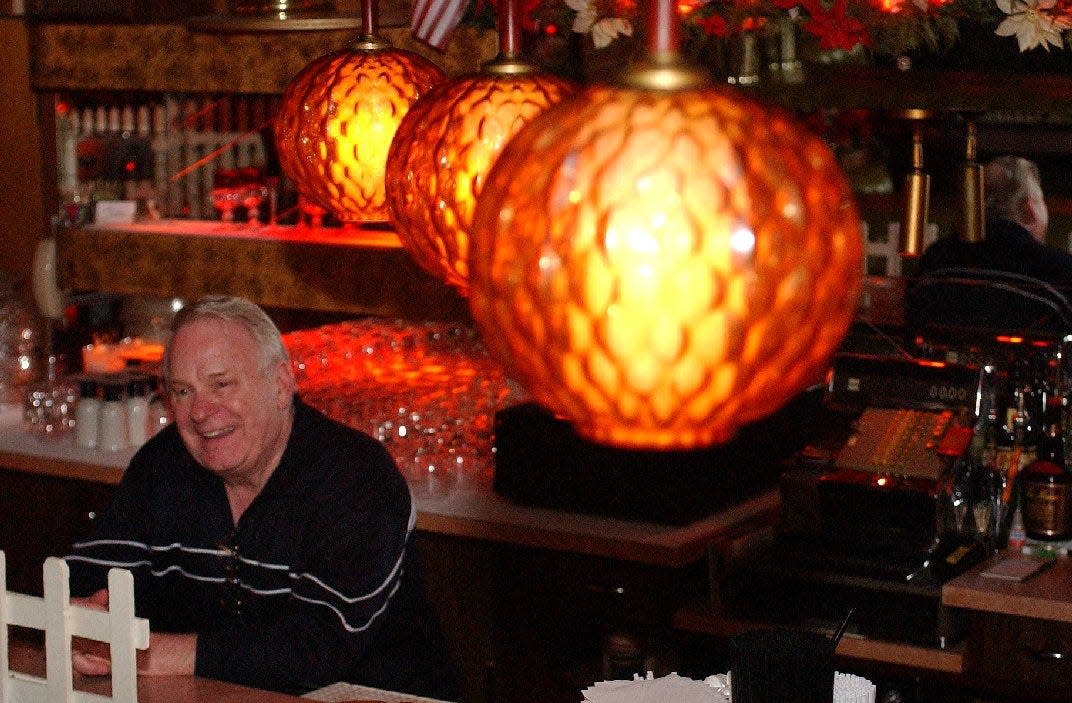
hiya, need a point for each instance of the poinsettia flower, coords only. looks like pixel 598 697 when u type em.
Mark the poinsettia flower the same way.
pixel 835 28
pixel 1031 23
pixel 714 26
pixel 608 29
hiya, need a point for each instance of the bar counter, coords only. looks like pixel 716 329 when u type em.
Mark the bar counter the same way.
pixel 28 659
pixel 464 510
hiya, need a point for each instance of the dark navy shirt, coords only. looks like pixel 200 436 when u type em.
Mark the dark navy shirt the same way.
pixel 318 582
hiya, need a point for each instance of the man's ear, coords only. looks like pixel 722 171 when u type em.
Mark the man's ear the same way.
pixel 285 383
pixel 1031 216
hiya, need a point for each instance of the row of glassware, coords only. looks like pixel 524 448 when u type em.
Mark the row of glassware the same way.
pixel 427 390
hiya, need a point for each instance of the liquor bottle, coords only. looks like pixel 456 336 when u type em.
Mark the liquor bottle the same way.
pixel 1017 533
pixel 1046 485
pixel 1017 436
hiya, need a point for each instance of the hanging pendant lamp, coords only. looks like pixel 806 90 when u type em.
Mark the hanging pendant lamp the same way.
pixel 339 115
pixel 448 142
pixel 664 261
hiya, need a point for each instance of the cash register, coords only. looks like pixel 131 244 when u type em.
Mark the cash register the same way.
pixel 866 507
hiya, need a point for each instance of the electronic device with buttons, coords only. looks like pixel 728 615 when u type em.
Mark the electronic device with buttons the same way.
pixel 866 507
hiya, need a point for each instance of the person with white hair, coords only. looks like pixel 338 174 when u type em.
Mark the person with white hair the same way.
pixel 1012 279
pixel 270 545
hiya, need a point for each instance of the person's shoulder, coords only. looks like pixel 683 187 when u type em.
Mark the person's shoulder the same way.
pixel 160 453
pixel 330 444
pixel 309 421
pixel 946 252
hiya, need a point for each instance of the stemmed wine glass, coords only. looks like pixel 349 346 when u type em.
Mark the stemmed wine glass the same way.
pixel 226 192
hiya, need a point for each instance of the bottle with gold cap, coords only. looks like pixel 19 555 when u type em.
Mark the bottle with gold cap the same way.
pixel 1046 485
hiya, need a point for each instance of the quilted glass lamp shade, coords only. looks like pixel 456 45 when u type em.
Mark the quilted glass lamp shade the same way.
pixel 448 142
pixel 444 149
pixel 662 265
pixel 337 119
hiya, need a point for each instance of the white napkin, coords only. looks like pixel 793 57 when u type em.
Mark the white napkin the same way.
pixel 853 689
pixel 665 689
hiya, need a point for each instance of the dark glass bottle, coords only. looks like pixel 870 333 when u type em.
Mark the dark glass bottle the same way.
pixel 1046 486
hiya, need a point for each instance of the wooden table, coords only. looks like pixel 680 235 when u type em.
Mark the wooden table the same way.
pixel 1019 633
pixel 29 659
pixel 1046 596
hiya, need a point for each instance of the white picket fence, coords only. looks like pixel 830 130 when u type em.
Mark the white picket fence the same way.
pixel 62 621
pixel 190 138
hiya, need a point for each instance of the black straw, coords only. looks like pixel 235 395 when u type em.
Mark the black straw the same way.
pixel 841 628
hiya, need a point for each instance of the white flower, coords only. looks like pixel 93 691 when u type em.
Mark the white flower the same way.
pixel 1031 24
pixel 605 30
pixel 587 11
pixel 608 29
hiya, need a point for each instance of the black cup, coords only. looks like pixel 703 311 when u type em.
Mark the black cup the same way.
pixel 781 666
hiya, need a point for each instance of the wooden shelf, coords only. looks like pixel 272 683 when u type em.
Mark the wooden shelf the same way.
pixel 1046 98
pixel 709 620
pixel 360 272
pixel 172 58
pixel 1044 596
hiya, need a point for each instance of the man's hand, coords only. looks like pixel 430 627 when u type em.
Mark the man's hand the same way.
pixel 90 657
pixel 167 654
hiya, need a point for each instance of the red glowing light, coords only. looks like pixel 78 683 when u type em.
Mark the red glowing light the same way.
pixel 130 166
pixel 62 108
pixel 1007 339
pixel 551 29
pixel 687 7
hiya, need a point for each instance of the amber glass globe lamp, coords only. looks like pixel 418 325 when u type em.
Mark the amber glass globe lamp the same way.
pixel 664 261
pixel 338 117
pixel 448 142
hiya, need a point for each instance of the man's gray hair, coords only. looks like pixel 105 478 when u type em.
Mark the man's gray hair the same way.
pixel 239 310
pixel 1007 182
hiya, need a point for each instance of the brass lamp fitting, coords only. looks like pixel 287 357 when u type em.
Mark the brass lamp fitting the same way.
pixel 917 200
pixel 972 194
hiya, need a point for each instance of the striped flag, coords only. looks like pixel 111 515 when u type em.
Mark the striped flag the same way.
pixel 434 20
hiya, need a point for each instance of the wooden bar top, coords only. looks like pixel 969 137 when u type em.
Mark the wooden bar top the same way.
pixel 1046 595
pixel 28 659
pixel 465 509
pixel 710 620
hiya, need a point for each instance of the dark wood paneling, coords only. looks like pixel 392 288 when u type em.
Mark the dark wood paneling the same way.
pixel 168 57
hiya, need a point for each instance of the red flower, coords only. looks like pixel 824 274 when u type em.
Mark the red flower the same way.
pixel 835 28
pixel 714 26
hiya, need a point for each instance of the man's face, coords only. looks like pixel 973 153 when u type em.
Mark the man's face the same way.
pixel 234 420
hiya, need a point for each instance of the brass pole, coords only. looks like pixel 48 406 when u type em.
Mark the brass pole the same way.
pixel 917 199
pixel 972 194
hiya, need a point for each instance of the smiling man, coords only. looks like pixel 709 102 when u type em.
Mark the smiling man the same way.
pixel 270 545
